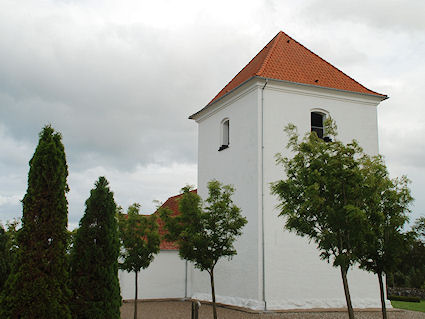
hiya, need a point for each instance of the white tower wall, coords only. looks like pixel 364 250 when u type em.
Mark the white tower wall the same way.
pixel 295 276
pixel 236 165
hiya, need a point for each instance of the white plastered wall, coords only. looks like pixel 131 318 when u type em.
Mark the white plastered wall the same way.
pixel 295 275
pixel 237 280
pixel 164 278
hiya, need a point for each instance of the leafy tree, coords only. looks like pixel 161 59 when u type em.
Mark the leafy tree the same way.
pixel 4 257
pixel 411 272
pixel 320 197
pixel 8 250
pixel 386 204
pixel 140 241
pixel 206 233
pixel 418 229
pixel 94 258
pixel 38 286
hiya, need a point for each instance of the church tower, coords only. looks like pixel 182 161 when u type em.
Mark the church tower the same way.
pixel 239 133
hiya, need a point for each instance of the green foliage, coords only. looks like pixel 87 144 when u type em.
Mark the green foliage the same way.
pixel 418 229
pixel 206 233
pixel 404 298
pixel 71 240
pixel 140 242
pixel 320 196
pixel 411 271
pixel 386 204
pixel 8 250
pixel 140 239
pixel 37 287
pixel 345 202
pixel 4 257
pixel 94 258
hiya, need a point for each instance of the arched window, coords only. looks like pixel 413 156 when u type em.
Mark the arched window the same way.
pixel 317 120
pixel 225 137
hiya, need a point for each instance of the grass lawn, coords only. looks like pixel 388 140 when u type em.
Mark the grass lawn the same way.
pixel 415 306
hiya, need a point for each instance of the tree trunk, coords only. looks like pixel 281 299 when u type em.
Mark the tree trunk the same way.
pixel 381 288
pixel 347 292
pixel 213 293
pixel 135 296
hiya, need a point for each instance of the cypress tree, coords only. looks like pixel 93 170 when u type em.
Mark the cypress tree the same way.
pixel 94 258
pixel 37 288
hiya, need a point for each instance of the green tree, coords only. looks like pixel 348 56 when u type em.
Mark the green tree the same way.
pixel 386 204
pixel 140 241
pixel 320 196
pixel 8 250
pixel 4 257
pixel 94 258
pixel 411 272
pixel 206 233
pixel 38 286
pixel 418 229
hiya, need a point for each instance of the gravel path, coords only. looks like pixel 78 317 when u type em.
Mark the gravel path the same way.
pixel 182 310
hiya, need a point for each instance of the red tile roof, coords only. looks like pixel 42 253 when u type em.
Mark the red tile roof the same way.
pixel 173 204
pixel 285 59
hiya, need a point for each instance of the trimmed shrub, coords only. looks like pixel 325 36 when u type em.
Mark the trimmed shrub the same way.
pixel 404 298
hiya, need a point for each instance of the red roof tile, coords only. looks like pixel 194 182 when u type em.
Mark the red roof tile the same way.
pixel 285 59
pixel 173 204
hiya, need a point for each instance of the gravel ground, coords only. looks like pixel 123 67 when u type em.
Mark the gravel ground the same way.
pixel 182 310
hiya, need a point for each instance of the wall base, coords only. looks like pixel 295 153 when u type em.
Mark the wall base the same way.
pixel 291 304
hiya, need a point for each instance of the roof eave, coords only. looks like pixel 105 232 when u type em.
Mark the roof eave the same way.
pixel 193 116
pixel 382 97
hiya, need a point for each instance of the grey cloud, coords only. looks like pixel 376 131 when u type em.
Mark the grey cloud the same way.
pixel 119 81
pixel 121 93
pixel 384 14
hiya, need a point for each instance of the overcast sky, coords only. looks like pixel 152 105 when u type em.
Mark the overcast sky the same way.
pixel 119 78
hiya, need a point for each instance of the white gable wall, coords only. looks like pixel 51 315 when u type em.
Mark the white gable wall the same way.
pixel 164 278
pixel 236 165
pixel 295 275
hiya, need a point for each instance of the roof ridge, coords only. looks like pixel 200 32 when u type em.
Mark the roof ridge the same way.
pixel 178 195
pixel 278 37
pixel 332 65
pixel 174 197
pixel 296 64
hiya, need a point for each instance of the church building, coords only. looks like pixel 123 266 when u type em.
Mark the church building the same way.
pixel 239 133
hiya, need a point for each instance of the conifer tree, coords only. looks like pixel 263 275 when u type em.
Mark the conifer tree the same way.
pixel 37 288
pixel 94 258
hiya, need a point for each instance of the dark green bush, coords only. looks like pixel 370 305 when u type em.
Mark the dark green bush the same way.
pixel 405 298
